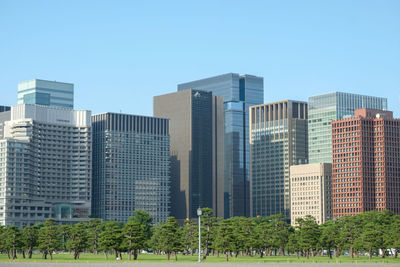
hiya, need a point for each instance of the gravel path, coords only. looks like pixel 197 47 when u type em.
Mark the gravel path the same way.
pixel 157 264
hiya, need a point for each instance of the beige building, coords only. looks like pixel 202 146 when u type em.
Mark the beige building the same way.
pixel 310 191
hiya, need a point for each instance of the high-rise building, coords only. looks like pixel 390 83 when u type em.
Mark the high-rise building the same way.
pixel 239 93
pixel 278 140
pixel 131 169
pixel 5 115
pixel 46 93
pixel 45 165
pixel 311 191
pixel 197 135
pixel 322 109
pixel 4 108
pixel 366 163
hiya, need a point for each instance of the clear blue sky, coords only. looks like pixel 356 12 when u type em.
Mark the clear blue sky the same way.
pixel 119 54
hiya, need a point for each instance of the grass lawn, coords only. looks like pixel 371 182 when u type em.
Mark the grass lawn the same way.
pixel 188 258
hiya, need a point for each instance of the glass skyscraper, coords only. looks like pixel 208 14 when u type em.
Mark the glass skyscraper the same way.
pixel 278 140
pixel 239 93
pixel 323 109
pixel 131 169
pixel 196 130
pixel 46 93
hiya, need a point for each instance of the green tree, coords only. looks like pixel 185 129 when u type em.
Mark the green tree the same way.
pixel 30 237
pixel 208 220
pixel 95 227
pixel 78 239
pixel 280 231
pixel 134 235
pixel 13 241
pixel 144 219
pixel 190 236
pixel 263 240
pixel 329 232
pixel 111 238
pixel 49 238
pixel 169 237
pixel 309 234
pixel 293 243
pixel 350 231
pixel 225 237
pixel 65 231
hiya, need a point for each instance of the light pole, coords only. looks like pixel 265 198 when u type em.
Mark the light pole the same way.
pixel 199 213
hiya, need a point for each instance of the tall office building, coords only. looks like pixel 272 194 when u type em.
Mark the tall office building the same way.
pixel 46 93
pixel 4 108
pixel 45 166
pixel 278 140
pixel 322 109
pixel 311 191
pixel 239 93
pixel 366 163
pixel 130 166
pixel 5 115
pixel 197 138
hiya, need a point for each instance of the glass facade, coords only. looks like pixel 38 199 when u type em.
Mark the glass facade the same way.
pixel 323 109
pixel 46 93
pixel 130 167
pixel 278 140
pixel 239 93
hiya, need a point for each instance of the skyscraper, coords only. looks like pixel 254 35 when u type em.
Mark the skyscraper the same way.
pixel 46 93
pixel 131 169
pixel 46 169
pixel 366 163
pixel 239 92
pixel 278 140
pixel 196 132
pixel 322 109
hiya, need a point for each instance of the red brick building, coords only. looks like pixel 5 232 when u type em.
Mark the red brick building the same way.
pixel 366 163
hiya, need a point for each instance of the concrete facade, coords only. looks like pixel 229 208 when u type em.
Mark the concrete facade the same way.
pixel 197 145
pixel 311 191
pixel 45 166
pixel 278 140
pixel 131 169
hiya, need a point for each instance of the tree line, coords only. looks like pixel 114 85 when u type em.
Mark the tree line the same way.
pixel 369 232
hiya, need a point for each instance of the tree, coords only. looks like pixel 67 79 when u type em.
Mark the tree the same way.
pixel 111 238
pixel 280 232
pixel 169 237
pixel 309 234
pixel 134 235
pixel 264 237
pixel 143 218
pixel 78 239
pixel 225 237
pixel 95 227
pixel 49 238
pixel 329 231
pixel 30 237
pixel 190 236
pixel 13 241
pixel 350 231
pixel 208 220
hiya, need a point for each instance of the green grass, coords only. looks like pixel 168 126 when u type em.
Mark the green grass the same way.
pixel 188 258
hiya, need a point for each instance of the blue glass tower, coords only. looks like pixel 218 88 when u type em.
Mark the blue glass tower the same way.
pixel 239 93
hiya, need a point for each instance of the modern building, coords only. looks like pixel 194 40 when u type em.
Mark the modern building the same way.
pixel 311 191
pixel 46 93
pixel 197 138
pixel 5 115
pixel 45 166
pixel 131 169
pixel 278 140
pixel 366 163
pixel 239 93
pixel 5 108
pixel 322 109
